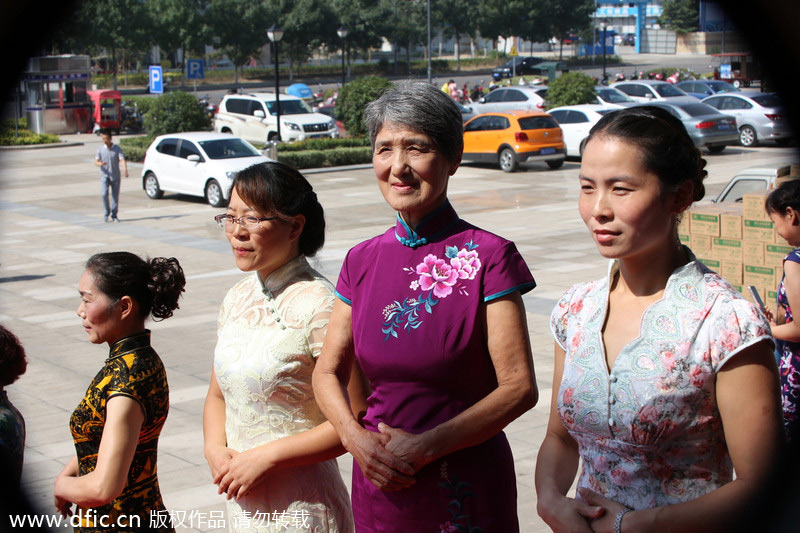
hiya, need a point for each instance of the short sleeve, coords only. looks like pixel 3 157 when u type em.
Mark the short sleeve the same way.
pixel 506 272
pixel 559 317
pixel 737 324
pixel 317 324
pixel 343 287
pixel 121 381
pixel 794 256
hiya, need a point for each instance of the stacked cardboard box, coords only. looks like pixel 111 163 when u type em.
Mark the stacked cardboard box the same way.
pixel 738 241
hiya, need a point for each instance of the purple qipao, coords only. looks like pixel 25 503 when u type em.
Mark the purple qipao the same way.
pixel 420 340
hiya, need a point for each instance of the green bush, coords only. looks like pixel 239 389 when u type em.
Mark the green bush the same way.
pixel 323 144
pixel 354 97
pixel 134 148
pixel 571 88
pixel 327 158
pixel 19 135
pixel 175 112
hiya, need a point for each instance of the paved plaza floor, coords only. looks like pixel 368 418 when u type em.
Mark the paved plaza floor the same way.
pixel 52 222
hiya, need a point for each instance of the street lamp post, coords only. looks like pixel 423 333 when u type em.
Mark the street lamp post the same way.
pixel 342 35
pixel 275 34
pixel 604 25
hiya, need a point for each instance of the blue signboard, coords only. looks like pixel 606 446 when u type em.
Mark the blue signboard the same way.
pixel 156 80
pixel 194 69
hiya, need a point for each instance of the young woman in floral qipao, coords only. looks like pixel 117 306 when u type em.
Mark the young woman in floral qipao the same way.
pixel 783 207
pixel 432 313
pixel 665 378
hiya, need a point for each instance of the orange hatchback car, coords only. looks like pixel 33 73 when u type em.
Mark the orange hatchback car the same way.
pixel 512 137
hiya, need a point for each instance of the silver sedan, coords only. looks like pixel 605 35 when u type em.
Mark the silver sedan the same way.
pixel 760 116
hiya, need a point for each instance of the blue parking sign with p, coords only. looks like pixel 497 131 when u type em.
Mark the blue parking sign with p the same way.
pixel 156 80
pixel 194 69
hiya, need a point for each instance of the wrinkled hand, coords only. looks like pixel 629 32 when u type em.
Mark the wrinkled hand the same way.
pixel 605 522
pixel 378 465
pixel 570 515
pixel 406 446
pixel 244 471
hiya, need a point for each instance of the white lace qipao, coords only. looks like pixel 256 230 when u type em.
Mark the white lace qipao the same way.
pixel 269 337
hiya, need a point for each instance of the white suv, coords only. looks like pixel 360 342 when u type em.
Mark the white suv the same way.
pixel 253 118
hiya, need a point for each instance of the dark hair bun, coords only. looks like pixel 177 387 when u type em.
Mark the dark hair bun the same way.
pixel 167 283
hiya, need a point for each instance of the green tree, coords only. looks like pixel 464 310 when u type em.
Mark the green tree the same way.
pixel 681 16
pixel 175 112
pixel 179 24
pixel 354 97
pixel 306 26
pixel 116 27
pixel 457 19
pixel 563 17
pixel 361 18
pixel 571 88
pixel 241 28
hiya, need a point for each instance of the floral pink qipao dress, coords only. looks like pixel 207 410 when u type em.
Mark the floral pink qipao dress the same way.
pixel 649 431
pixel 419 338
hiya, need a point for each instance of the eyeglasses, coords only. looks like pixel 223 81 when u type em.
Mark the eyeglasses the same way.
pixel 249 222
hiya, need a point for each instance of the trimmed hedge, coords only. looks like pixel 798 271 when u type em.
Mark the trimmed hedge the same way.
pixel 335 157
pixel 21 136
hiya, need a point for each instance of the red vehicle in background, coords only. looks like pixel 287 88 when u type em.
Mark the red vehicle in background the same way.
pixel 740 69
pixel 106 109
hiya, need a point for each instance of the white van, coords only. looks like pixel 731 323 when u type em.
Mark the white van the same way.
pixel 253 117
pixel 752 179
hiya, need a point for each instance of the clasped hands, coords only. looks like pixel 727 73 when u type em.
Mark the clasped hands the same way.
pixel 236 473
pixel 390 458
pixel 590 513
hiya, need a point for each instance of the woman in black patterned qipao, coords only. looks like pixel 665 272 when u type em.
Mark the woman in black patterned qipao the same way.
pixel 112 479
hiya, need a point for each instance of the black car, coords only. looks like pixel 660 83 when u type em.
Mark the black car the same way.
pixel 519 66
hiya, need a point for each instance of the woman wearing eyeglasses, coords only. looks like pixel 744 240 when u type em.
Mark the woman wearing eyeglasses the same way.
pixel 269 447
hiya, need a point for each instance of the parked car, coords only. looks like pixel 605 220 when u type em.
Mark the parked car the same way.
pixel 576 121
pixel 466 111
pixel 753 179
pixel 516 65
pixel 612 97
pixel 253 117
pixel 702 88
pixel 196 163
pixel 653 90
pixel 330 110
pixel 760 116
pixel 512 137
pixel 510 98
pixel 706 126
pixel 629 39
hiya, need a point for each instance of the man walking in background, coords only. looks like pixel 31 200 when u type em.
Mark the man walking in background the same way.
pixel 109 158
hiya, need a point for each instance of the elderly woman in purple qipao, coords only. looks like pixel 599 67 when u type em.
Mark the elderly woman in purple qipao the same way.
pixel 432 313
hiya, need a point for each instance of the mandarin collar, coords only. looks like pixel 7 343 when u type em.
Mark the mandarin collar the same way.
pixel 129 344
pixel 433 225
pixel 693 268
pixel 284 275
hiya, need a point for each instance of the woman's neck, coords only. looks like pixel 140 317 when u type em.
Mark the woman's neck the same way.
pixel 643 277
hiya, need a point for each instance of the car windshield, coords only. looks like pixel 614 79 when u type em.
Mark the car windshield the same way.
pixel 767 100
pixel 722 87
pixel 537 123
pixel 698 110
pixel 614 96
pixel 668 90
pixel 228 148
pixel 289 107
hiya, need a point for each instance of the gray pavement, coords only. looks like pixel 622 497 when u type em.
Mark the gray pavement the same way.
pixel 52 222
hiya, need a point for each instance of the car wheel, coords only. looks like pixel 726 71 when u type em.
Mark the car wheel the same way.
pixel 716 148
pixel 151 186
pixel 508 160
pixel 555 164
pixel 214 194
pixel 747 136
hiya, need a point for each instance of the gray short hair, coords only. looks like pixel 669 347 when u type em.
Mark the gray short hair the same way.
pixel 423 108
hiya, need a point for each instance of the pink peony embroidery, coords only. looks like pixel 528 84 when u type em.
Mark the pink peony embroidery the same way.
pixel 437 274
pixel 466 263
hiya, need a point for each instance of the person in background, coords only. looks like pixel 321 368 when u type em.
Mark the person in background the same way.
pixel 432 313
pixel 664 381
pixel 110 159
pixel 113 479
pixel 13 364
pixel 783 207
pixel 268 445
